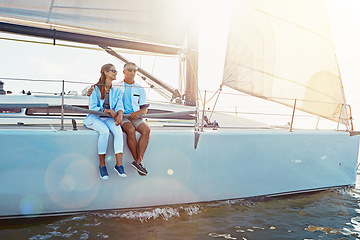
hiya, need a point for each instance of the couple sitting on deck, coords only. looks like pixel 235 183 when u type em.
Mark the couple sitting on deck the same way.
pixel 128 98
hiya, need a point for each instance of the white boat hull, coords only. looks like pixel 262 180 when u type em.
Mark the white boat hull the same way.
pixel 56 172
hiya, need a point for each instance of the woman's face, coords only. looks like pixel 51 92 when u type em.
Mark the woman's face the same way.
pixel 111 73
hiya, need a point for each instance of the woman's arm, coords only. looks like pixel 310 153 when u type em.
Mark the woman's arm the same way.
pixel 94 101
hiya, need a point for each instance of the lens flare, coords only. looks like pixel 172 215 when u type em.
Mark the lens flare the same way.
pixel 31 204
pixel 170 172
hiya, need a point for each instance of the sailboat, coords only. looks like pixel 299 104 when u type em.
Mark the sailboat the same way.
pixel 276 51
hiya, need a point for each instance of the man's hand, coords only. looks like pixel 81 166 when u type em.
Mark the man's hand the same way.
pixel 119 118
pixel 89 91
pixel 111 112
pixel 135 115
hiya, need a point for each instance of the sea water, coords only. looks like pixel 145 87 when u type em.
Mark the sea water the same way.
pixel 331 214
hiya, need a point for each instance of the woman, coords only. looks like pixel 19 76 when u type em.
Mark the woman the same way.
pixel 108 99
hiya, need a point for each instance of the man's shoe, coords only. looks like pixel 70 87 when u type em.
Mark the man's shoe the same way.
pixel 103 173
pixel 139 168
pixel 142 166
pixel 120 170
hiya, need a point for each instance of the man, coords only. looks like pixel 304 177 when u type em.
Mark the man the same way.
pixel 134 100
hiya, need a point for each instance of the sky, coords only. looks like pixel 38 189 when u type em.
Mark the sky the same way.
pixel 37 61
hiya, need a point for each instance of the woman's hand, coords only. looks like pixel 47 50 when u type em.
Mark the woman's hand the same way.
pixel 119 118
pixel 111 112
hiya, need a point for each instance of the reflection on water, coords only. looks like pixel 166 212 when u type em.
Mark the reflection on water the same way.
pixel 333 214
pixel 323 229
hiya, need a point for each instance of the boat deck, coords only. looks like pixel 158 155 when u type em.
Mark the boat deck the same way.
pixel 167 127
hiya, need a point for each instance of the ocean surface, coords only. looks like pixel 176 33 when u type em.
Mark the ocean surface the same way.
pixel 331 214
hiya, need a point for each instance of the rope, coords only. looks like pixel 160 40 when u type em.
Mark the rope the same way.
pixel 220 89
pixel 214 94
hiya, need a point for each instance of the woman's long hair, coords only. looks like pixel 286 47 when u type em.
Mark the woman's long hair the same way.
pixel 101 83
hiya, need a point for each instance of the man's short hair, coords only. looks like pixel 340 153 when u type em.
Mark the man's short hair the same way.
pixel 129 63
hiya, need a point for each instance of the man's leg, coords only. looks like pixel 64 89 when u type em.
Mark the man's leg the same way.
pixel 144 130
pixel 129 129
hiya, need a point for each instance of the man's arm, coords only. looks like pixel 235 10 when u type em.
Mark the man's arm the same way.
pixel 94 103
pixel 90 90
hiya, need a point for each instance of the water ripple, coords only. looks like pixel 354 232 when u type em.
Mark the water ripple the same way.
pixel 333 214
pixel 145 215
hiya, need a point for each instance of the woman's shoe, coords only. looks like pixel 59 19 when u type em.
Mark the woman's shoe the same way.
pixel 103 173
pixel 120 170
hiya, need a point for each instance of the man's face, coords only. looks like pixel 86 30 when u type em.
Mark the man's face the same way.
pixel 130 72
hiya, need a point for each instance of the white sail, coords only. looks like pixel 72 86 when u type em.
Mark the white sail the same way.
pixel 282 50
pixel 153 21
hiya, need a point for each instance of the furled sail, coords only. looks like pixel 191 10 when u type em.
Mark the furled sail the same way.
pixel 282 50
pixel 151 21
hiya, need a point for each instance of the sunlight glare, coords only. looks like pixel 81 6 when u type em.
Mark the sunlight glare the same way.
pixel 170 172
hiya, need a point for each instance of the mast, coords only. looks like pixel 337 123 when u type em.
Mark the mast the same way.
pixel 191 66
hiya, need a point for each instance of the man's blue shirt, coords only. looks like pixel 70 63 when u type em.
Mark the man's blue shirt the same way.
pixel 127 98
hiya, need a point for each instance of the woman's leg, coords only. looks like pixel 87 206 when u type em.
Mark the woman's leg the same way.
pixel 102 160
pixel 118 159
pixel 103 139
pixel 118 140
pixel 104 133
pixel 118 146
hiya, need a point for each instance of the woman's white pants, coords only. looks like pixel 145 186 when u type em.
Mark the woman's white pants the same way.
pixel 104 126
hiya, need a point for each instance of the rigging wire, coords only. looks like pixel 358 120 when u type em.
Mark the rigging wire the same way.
pixel 220 89
pixel 44 80
pixel 153 66
pixel 203 102
pixel 214 94
pixel 182 73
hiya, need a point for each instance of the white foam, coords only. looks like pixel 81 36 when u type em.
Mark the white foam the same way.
pixel 165 213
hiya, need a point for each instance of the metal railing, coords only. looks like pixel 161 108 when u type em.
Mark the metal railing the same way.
pixel 344 105
pixel 346 120
pixel 201 110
